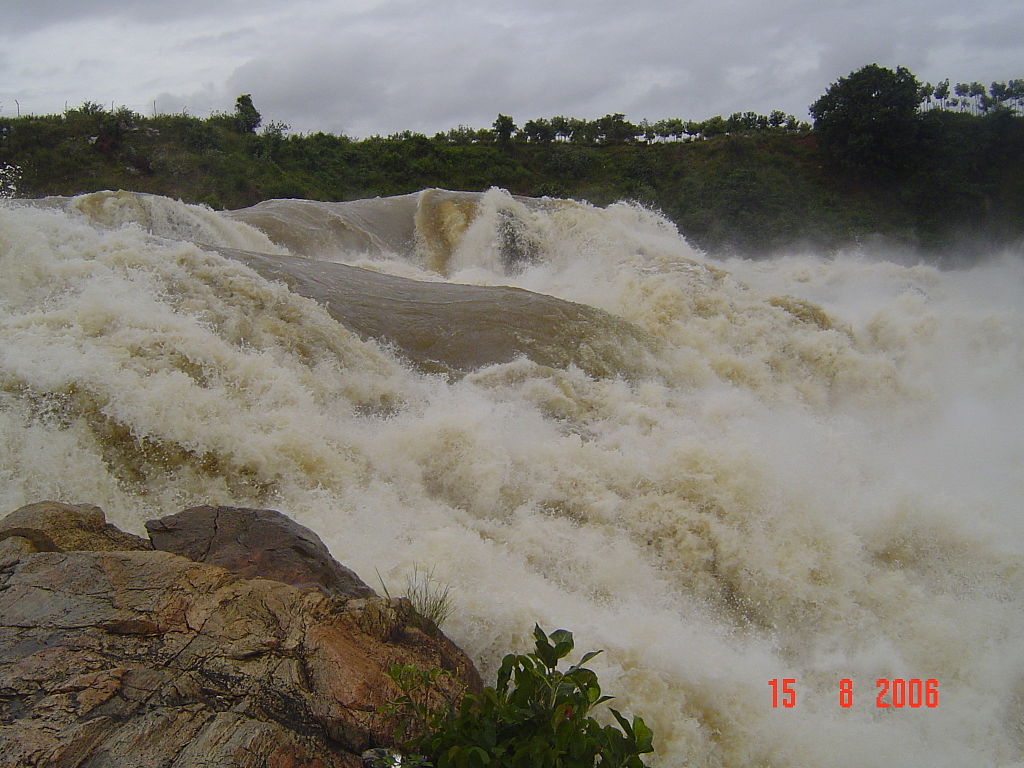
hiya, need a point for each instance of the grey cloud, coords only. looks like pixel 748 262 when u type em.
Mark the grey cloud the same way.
pixel 370 66
pixel 24 16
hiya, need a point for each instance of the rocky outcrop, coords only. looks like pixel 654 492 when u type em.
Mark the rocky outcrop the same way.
pixel 54 527
pixel 116 654
pixel 255 542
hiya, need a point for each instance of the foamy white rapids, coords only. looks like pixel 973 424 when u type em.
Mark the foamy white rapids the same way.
pixel 819 478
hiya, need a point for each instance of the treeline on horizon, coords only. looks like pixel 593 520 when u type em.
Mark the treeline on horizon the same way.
pixel 933 167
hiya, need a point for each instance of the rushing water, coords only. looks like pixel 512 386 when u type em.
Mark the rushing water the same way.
pixel 722 473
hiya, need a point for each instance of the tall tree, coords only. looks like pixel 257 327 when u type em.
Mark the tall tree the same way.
pixel 926 92
pixel 247 119
pixel 504 127
pixel 615 129
pixel 868 121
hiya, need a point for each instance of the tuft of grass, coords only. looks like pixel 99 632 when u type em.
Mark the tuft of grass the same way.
pixel 430 598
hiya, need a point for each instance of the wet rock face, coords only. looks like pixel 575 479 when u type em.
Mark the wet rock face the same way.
pixel 54 527
pixel 255 543
pixel 136 657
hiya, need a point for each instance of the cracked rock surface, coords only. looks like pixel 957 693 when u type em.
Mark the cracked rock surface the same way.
pixel 113 653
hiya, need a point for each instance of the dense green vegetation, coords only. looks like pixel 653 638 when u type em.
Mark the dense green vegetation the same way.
pixel 535 716
pixel 887 156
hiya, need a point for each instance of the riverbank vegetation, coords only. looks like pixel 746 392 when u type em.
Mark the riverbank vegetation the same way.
pixel 933 167
pixel 535 716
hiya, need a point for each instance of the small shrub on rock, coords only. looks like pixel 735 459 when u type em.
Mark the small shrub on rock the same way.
pixel 536 716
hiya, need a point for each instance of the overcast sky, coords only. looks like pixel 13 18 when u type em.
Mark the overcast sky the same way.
pixel 362 67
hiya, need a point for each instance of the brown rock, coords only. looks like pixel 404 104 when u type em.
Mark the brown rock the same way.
pixel 144 658
pixel 52 526
pixel 255 543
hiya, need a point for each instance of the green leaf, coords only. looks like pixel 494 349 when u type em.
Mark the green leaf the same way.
pixel 644 737
pixel 544 650
pixel 623 722
pixel 539 635
pixel 505 672
pixel 562 638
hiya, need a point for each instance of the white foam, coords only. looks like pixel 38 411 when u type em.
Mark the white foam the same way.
pixel 795 495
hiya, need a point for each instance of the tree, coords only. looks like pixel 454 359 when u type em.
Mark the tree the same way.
pixel 868 121
pixel 272 138
pixel 539 131
pixel 615 129
pixel 925 93
pixel 976 92
pixel 713 126
pixel 504 127
pixel 583 131
pixel 647 131
pixel 669 129
pixel 998 92
pixel 1015 91
pixel 560 125
pixel 247 119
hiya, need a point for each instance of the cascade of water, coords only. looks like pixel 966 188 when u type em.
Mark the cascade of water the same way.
pixel 811 472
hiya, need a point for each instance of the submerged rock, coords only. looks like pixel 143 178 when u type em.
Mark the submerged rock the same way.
pixel 140 657
pixel 454 328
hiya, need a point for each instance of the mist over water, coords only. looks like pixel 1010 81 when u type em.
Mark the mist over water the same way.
pixel 801 468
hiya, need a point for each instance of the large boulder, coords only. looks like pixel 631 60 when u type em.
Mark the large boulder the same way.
pixel 145 658
pixel 255 543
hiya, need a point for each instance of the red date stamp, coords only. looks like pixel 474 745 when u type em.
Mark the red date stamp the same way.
pixel 894 693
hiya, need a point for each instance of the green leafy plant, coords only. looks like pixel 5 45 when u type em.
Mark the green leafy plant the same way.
pixel 536 716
